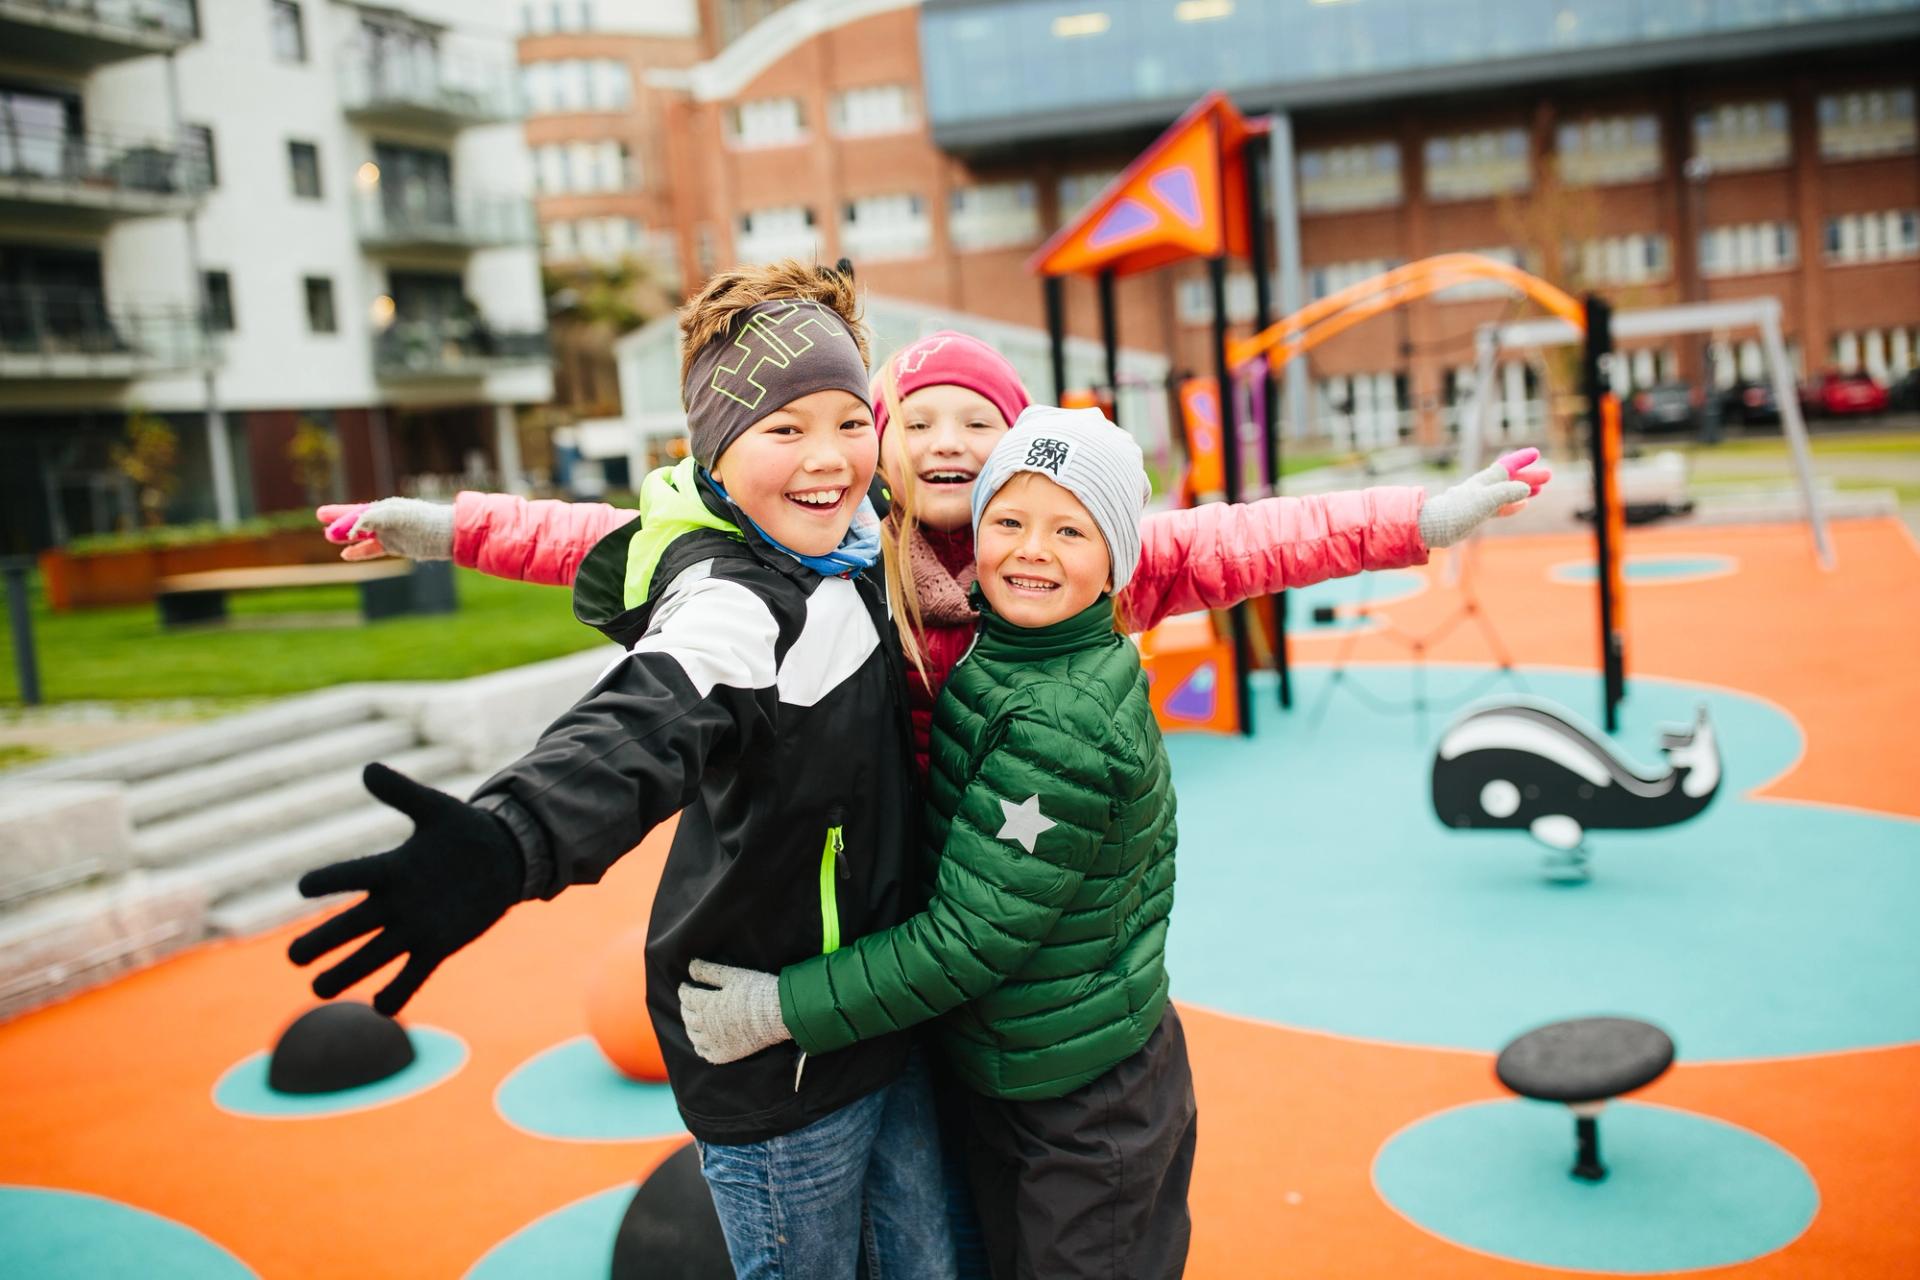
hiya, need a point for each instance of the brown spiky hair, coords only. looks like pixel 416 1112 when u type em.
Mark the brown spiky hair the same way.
pixel 715 308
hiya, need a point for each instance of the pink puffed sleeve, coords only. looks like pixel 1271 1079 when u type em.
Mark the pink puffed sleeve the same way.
pixel 1218 554
pixel 540 541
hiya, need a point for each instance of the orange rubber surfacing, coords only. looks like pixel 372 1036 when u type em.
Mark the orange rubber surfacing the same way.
pixel 111 1093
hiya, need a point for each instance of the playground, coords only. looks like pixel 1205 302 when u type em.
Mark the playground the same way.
pixel 1651 781
pixel 1347 967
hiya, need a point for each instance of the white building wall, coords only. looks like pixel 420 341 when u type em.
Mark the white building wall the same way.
pixel 269 240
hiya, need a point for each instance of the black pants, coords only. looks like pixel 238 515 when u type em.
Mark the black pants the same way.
pixel 1093 1184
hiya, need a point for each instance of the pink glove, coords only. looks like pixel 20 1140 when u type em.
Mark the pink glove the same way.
pixel 1519 465
pixel 340 517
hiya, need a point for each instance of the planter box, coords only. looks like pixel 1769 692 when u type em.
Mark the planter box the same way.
pixel 131 577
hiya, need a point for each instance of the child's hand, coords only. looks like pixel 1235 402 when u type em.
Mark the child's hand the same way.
pixel 404 527
pixel 735 1015
pixel 1446 518
pixel 453 878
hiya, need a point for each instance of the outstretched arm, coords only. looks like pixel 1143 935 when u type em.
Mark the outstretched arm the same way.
pixel 497 533
pixel 1216 555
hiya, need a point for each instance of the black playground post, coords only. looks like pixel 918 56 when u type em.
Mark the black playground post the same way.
pixel 24 664
pixel 1257 162
pixel 1110 335
pixel 1594 366
pixel 1055 291
pixel 1230 456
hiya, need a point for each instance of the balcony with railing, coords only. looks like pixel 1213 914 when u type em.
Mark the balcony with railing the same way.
pixel 417 217
pixel 454 347
pixel 94 175
pixel 424 89
pixel 81 34
pixel 75 334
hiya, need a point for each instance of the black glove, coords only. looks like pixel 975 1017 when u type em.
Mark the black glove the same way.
pixel 454 877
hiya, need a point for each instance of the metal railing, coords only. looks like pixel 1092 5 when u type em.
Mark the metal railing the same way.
pixel 442 85
pixel 135 18
pixel 60 163
pixel 415 214
pixel 77 333
pixel 454 346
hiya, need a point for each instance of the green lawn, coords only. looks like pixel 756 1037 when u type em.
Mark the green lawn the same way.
pixel 1829 441
pixel 122 654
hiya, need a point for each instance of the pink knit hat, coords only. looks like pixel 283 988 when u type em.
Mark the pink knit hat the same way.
pixel 947 358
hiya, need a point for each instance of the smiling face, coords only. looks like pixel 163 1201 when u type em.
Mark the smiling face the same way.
pixel 1040 557
pixel 801 471
pixel 946 433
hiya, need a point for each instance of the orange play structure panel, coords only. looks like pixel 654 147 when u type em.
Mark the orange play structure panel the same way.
pixel 111 1092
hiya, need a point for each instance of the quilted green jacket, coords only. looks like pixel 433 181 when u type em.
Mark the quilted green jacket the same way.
pixel 1051 839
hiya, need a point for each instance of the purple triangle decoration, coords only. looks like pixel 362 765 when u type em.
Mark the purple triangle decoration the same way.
pixel 1194 699
pixel 1127 218
pixel 1177 187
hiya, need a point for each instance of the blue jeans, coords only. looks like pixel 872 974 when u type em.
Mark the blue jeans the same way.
pixel 861 1191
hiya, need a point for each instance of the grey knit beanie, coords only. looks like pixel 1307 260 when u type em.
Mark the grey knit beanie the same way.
pixel 1089 457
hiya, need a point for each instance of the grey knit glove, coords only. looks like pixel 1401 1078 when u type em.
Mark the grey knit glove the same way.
pixel 408 527
pixel 1445 518
pixel 736 1014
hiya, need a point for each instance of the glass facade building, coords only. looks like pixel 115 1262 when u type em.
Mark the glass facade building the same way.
pixel 1000 70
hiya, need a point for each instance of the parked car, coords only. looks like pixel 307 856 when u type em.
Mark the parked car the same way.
pixel 1904 395
pixel 1748 402
pixel 1835 395
pixel 1666 406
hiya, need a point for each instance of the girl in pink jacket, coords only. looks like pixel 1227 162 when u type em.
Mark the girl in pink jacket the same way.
pixel 940 405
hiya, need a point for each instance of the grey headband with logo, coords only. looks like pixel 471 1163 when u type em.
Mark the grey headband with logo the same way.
pixel 773 354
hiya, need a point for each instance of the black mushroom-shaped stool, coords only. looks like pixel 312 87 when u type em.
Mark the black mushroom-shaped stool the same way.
pixel 671 1230
pixel 342 1044
pixel 1585 1062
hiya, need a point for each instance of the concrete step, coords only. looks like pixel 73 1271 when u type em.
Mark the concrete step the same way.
pixel 179 839
pixel 81 938
pixel 323 749
pixel 237 735
pixel 282 857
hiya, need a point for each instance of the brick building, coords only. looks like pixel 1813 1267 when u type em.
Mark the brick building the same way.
pixel 1655 153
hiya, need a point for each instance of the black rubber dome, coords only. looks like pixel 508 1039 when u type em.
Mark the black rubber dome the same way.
pixel 338 1045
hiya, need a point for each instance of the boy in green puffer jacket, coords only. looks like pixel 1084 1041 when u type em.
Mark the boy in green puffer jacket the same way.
pixel 1051 825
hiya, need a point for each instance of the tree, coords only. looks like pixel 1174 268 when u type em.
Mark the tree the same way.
pixel 148 459
pixel 313 452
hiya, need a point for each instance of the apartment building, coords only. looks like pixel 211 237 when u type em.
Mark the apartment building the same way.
pixel 258 219
pixel 1655 153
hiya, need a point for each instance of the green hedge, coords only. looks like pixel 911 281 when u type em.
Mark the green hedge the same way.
pixel 187 535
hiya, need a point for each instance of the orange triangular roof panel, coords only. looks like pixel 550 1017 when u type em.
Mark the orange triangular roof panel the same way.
pixel 1184 197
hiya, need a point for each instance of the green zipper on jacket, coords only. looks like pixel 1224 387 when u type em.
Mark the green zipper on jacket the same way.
pixel 832 868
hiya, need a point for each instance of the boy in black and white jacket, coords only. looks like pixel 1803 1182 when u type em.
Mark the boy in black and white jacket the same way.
pixel 763 700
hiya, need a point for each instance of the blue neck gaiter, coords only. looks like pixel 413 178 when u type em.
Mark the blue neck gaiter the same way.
pixel 858 550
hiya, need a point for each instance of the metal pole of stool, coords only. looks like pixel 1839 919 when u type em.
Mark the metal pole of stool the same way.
pixel 1586 1132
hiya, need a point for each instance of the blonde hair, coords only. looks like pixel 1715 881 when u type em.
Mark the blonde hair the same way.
pixel 903 521
pixel 713 310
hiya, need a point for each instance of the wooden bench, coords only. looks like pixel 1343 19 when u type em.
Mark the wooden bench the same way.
pixel 388 588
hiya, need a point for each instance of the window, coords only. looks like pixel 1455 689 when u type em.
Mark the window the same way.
pixel 1610 150
pixel 612 85
pixel 876 228
pixel 203 166
pixel 1476 165
pixel 1077 191
pixel 289 38
pixel 1876 122
pixel 1362 410
pixel 1355 177
pixel 304 160
pixel 1332 277
pixel 219 294
pixel 1748 248
pixel 1618 260
pixel 767 122
pixel 1738 136
pixel 784 231
pixel 320 317
pixel 560 241
pixel 859 113
pixel 1873 237
pixel 998 215
pixel 1193 299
